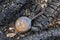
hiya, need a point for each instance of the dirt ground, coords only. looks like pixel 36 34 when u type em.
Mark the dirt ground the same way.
pixel 48 23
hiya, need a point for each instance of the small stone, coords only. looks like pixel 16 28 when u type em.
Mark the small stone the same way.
pixel 44 5
pixel 11 28
pixel 46 1
pixel 27 12
pixel 10 34
pixel 18 38
pixel 22 35
pixel 1 32
pixel 58 22
pixel 4 5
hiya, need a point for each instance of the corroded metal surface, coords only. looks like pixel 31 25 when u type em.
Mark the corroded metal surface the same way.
pixel 23 24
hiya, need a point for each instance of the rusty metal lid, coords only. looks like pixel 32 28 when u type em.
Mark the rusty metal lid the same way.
pixel 23 24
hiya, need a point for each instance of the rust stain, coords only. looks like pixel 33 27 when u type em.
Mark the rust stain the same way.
pixel 22 25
